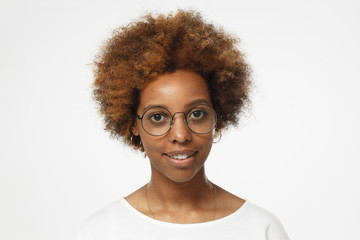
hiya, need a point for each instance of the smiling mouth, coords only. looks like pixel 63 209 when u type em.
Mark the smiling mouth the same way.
pixel 180 156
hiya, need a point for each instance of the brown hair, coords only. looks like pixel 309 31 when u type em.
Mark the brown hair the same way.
pixel 153 46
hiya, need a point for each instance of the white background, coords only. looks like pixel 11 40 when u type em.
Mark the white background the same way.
pixel 296 152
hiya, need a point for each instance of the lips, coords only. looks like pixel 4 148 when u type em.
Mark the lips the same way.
pixel 180 159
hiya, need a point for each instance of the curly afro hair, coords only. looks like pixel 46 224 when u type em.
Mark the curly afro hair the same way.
pixel 155 45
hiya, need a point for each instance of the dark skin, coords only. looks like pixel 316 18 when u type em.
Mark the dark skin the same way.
pixel 179 193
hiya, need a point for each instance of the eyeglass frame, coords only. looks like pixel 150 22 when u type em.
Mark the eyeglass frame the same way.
pixel 172 119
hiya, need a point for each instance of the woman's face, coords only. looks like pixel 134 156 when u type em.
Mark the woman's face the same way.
pixel 179 154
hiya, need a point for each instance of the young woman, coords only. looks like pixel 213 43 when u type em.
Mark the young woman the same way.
pixel 168 86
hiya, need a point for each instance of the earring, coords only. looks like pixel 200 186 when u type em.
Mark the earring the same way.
pixel 219 134
pixel 142 148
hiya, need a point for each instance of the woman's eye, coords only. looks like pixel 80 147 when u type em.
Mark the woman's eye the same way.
pixel 197 114
pixel 157 117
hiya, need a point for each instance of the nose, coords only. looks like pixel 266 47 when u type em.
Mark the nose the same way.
pixel 179 131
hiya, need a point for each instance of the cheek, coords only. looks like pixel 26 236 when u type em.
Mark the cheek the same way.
pixel 208 137
pixel 211 139
pixel 151 144
pixel 204 141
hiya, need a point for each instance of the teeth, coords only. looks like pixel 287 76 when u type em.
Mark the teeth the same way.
pixel 180 156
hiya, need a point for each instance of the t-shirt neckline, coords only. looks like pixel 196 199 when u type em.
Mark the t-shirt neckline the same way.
pixel 144 217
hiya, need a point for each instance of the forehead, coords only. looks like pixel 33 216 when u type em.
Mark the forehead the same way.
pixel 175 91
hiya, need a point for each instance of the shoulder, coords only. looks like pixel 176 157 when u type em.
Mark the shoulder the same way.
pixel 253 211
pixel 249 216
pixel 110 211
pixel 229 203
pixel 260 217
pixel 104 222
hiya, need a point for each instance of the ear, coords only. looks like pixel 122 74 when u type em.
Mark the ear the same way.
pixel 135 130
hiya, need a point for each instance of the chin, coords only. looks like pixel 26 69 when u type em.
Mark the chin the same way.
pixel 181 179
pixel 183 175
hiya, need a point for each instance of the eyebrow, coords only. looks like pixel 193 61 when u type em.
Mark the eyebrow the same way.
pixel 197 101
pixel 188 105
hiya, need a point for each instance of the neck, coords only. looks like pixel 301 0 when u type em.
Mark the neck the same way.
pixel 180 195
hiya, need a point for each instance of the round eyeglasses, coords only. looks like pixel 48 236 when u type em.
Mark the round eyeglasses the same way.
pixel 157 121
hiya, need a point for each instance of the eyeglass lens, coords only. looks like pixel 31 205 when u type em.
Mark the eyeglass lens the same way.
pixel 158 120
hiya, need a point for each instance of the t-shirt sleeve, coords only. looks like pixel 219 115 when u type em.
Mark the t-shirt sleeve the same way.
pixel 276 231
pixel 86 232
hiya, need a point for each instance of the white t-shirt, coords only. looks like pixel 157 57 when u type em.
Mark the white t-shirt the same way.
pixel 120 221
